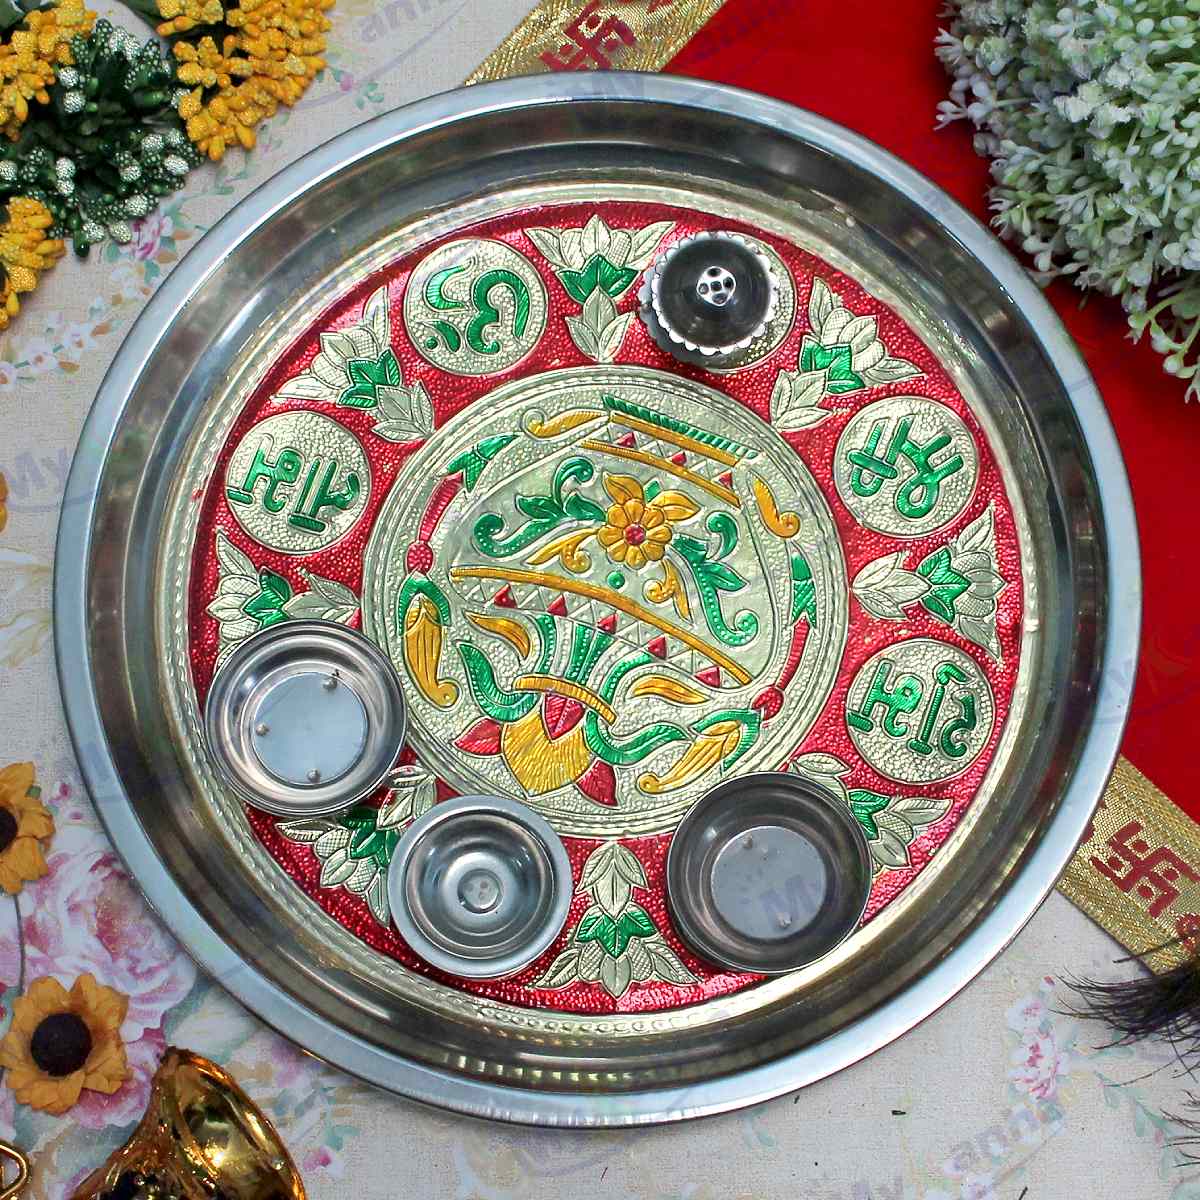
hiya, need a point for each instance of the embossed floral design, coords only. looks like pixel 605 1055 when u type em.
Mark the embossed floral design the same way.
pixel 891 823
pixel 637 530
pixel 355 849
pixel 616 942
pixel 251 598
pixel 597 265
pixel 25 825
pixel 958 583
pixel 840 353
pixel 357 368
pixel 64 1041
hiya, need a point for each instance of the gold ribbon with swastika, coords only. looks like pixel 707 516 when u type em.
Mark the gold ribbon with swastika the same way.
pixel 590 35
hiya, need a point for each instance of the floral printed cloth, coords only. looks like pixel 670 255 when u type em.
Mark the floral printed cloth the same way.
pixel 997 1097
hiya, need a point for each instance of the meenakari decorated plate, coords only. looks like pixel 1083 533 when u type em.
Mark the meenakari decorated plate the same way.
pixel 410 387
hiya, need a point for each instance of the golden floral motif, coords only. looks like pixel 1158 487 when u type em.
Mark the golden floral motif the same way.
pixel 25 251
pixel 62 1042
pixel 3 499
pixel 637 530
pixel 25 823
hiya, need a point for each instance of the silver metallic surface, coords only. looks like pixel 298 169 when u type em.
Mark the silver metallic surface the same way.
pixel 973 304
pixel 767 873
pixel 305 718
pixel 710 318
pixel 480 886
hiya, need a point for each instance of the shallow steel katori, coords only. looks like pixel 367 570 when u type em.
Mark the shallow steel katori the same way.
pixel 480 886
pixel 768 872
pixel 405 386
pixel 305 718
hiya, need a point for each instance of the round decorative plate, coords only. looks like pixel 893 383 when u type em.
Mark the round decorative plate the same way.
pixel 878 552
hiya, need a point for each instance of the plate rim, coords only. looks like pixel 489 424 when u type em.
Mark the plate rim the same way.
pixel 483 1098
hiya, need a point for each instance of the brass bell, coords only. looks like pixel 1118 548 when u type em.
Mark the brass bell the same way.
pixel 201 1137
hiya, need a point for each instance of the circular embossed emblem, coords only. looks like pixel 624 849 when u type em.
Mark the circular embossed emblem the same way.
pixel 920 711
pixel 905 466
pixel 605 587
pixel 297 482
pixel 475 307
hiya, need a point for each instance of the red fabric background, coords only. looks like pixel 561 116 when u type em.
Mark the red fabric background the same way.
pixel 871 66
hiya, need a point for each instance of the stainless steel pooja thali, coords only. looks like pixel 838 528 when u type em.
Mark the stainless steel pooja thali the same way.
pixel 672 445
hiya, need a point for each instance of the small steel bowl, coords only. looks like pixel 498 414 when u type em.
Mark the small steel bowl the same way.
pixel 305 718
pixel 767 873
pixel 480 886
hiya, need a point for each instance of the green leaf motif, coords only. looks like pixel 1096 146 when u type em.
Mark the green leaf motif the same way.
pixel 804 591
pixel 368 841
pixel 472 462
pixel 599 927
pixel 864 805
pixel 497 702
pixel 266 607
pixel 544 512
pixel 366 375
pixel 615 935
pixel 712 578
pixel 836 361
pixel 947 584
pixel 598 272
pixel 624 754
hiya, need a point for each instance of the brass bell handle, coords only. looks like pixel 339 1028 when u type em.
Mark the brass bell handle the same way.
pixel 18 1185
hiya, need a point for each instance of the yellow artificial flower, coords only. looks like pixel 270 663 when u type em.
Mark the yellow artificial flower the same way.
pixel 637 530
pixel 61 1042
pixel 29 60
pixel 25 251
pixel 269 57
pixel 51 30
pixel 25 823
pixel 182 15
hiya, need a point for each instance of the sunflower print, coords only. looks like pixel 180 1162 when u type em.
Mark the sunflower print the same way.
pixel 25 824
pixel 62 1042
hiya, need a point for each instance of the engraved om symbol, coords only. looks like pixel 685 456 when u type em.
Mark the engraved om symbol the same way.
pixel 485 312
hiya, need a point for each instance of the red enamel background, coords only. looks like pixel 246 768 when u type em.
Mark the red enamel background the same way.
pixel 752 387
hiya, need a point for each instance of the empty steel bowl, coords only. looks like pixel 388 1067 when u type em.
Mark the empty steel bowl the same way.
pixel 480 886
pixel 305 718
pixel 767 873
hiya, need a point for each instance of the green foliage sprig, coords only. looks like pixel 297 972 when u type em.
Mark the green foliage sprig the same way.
pixel 1090 113
pixel 108 146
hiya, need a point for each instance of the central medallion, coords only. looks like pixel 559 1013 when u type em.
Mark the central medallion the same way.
pixel 601 605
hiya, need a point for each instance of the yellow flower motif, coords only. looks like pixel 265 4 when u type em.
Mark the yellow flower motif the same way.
pixel 25 251
pixel 3 498
pixel 61 1042
pixel 269 58
pixel 25 823
pixel 28 61
pixel 182 15
pixel 637 530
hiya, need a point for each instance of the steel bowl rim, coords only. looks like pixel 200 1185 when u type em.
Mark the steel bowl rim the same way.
pixel 369 784
pixel 687 928
pixel 483 1098
pixel 556 858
